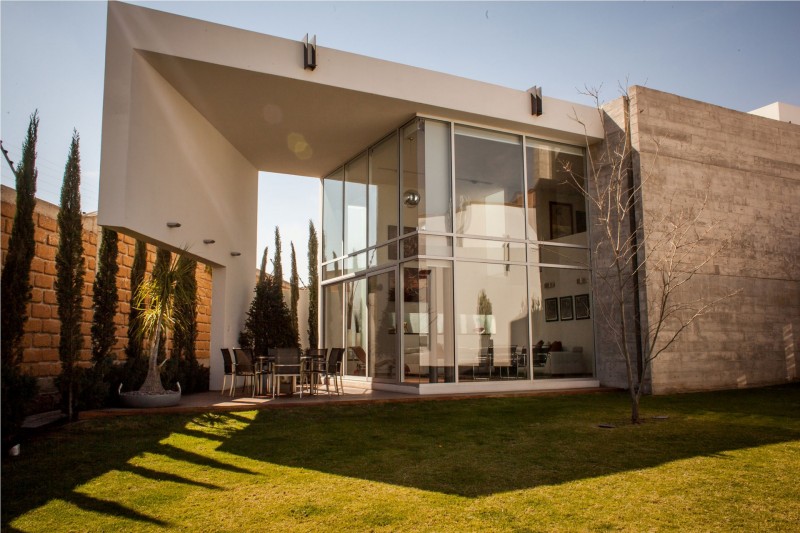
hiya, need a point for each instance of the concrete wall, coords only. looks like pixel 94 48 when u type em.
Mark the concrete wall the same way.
pixel 40 356
pixel 750 168
pixel 162 162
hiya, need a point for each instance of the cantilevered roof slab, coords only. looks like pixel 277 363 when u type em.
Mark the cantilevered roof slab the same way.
pixel 254 90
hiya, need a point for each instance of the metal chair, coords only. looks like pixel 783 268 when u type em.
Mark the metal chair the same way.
pixel 229 368
pixel 287 364
pixel 333 369
pixel 244 367
pixel 316 360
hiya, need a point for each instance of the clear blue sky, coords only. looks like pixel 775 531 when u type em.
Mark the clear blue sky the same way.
pixel 738 55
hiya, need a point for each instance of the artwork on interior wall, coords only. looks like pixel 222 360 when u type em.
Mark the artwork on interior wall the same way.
pixel 580 221
pixel 581 306
pixel 560 220
pixel 566 308
pixel 551 309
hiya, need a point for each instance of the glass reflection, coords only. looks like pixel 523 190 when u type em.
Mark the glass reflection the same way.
pixel 383 360
pixel 489 188
pixel 561 322
pixel 355 337
pixel 355 205
pixel 425 195
pixel 427 303
pixel 332 215
pixel 556 205
pixel 383 190
pixel 492 321
pixel 332 325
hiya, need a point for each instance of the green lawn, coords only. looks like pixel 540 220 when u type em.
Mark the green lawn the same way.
pixel 723 461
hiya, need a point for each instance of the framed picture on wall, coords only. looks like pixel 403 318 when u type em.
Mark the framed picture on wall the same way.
pixel 560 220
pixel 551 309
pixel 565 306
pixel 581 306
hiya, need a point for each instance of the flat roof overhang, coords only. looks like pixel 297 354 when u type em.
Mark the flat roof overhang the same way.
pixel 283 118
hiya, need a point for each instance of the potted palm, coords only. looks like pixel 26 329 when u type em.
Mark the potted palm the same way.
pixel 156 300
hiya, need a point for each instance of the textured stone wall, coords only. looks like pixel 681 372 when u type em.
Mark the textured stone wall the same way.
pixel 749 168
pixel 42 329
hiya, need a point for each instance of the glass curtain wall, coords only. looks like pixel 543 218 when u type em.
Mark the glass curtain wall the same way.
pixel 425 200
pixel 427 304
pixel 491 321
pixel 355 337
pixel 518 248
pixel 384 362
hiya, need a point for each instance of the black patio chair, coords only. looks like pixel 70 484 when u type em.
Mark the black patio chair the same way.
pixel 244 367
pixel 315 369
pixel 333 370
pixel 228 369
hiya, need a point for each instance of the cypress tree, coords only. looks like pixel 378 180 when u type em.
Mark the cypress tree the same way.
pixel 69 272
pixel 313 286
pixel 277 265
pixel 294 280
pixel 16 286
pixel 262 274
pixel 279 322
pixel 133 350
pixel 17 388
pixel 104 299
pixel 185 335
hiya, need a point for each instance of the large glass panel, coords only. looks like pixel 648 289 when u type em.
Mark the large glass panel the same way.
pixel 383 187
pixel 496 250
pixel 355 293
pixel 556 206
pixel 383 360
pixel 427 310
pixel 332 270
pixel 489 184
pixel 426 245
pixel 332 324
pixel 355 204
pixel 492 321
pixel 425 195
pixel 332 215
pixel 561 322
pixel 382 255
pixel 355 263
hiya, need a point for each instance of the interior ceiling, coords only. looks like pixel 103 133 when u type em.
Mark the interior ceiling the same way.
pixel 280 124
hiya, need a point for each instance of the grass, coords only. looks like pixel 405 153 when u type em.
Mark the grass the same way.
pixel 726 461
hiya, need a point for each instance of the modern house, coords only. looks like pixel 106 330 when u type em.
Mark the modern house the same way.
pixel 456 250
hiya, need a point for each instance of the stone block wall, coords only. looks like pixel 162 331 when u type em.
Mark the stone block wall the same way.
pixel 43 326
pixel 748 167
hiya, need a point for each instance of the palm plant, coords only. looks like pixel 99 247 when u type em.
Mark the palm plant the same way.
pixel 156 299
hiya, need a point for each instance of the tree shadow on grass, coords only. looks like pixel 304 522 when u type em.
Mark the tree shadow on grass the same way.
pixel 52 466
pixel 480 447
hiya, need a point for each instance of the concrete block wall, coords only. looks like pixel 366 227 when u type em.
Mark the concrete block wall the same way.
pixel 43 326
pixel 749 167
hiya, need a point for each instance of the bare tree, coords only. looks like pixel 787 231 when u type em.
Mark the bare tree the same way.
pixel 643 266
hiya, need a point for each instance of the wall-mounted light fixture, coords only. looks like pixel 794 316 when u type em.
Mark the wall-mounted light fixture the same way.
pixel 411 198
pixel 582 281
pixel 549 284
pixel 236 254
pixel 209 241
pixel 173 224
pixel 309 53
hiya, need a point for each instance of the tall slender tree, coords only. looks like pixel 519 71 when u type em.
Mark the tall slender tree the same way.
pixel 105 300
pixel 18 388
pixel 133 350
pixel 262 274
pixel 313 286
pixel 279 323
pixel 69 273
pixel 16 286
pixel 294 298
